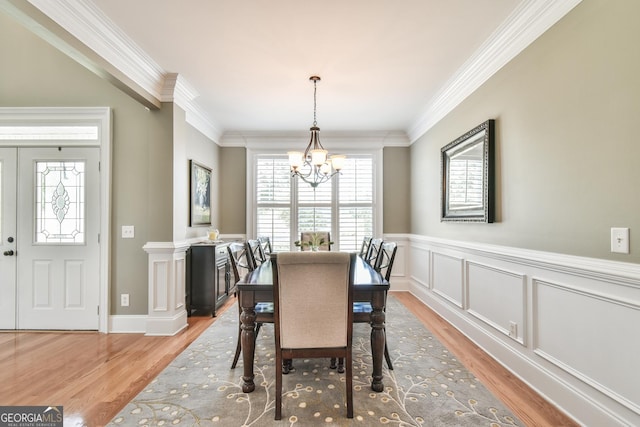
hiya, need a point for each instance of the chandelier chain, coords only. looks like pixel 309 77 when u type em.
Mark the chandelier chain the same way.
pixel 315 122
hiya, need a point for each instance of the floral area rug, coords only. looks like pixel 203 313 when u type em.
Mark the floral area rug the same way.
pixel 427 387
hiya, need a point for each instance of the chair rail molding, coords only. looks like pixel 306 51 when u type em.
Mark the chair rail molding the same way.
pixel 565 325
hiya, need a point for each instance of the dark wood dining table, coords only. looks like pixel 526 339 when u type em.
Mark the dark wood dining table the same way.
pixel 257 286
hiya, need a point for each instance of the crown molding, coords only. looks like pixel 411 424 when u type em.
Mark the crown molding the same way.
pixel 92 27
pixel 527 22
pixel 178 90
pixel 89 25
pixel 84 21
pixel 280 140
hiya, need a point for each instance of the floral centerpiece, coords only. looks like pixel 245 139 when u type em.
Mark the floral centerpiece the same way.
pixel 316 240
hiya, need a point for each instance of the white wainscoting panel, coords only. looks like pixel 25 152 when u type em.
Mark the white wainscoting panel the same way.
pixel 399 263
pixel 180 273
pixel 160 285
pixel 591 336
pixel 578 320
pixel 448 279
pixel 419 265
pixel 498 298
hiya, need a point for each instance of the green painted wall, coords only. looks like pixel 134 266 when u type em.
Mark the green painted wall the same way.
pixel 233 202
pixel 396 188
pixel 34 74
pixel 566 113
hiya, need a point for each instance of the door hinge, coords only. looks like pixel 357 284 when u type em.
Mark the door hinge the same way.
pixel 98 307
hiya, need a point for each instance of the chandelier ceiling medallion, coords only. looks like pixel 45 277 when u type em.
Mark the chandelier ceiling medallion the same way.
pixel 315 166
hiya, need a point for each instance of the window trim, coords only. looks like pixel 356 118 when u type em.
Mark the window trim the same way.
pixel 251 159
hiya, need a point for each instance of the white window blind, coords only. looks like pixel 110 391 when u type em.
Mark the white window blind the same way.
pixel 355 203
pixel 344 206
pixel 273 200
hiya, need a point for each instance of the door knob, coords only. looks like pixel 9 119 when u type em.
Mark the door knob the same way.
pixel 8 253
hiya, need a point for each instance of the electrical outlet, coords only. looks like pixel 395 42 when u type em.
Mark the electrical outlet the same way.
pixel 513 329
pixel 128 231
pixel 124 300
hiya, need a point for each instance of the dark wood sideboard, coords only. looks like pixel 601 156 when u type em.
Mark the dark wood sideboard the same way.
pixel 208 276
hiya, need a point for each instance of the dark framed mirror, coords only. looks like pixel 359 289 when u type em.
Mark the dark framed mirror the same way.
pixel 467 176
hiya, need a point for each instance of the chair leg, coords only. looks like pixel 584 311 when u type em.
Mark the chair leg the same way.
pixel 278 372
pixel 287 366
pixel 239 344
pixel 341 360
pixel 386 354
pixel 349 385
pixel 238 348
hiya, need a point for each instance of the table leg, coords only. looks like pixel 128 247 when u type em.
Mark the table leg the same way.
pixel 377 340
pixel 248 320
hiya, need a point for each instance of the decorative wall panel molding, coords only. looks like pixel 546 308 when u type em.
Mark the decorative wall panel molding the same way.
pixel 591 336
pixel 489 288
pixel 576 340
pixel 447 277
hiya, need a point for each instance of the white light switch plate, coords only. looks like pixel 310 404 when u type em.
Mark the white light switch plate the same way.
pixel 128 232
pixel 620 240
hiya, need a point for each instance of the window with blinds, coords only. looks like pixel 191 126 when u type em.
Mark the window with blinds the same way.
pixel 285 207
pixel 273 200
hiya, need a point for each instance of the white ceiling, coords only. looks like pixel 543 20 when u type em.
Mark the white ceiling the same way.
pixel 385 65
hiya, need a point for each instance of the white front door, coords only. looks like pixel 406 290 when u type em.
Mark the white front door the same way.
pixel 7 238
pixel 57 241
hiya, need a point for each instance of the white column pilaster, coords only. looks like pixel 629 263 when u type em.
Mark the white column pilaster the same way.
pixel 167 274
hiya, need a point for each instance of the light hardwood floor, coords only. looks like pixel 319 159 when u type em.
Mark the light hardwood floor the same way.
pixel 93 375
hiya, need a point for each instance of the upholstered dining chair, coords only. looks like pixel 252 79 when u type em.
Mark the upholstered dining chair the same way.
pixel 307 238
pixel 301 306
pixel 241 264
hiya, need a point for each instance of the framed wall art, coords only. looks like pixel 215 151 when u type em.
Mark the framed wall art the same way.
pixel 467 176
pixel 200 194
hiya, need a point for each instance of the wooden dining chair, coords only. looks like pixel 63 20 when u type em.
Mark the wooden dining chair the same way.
pixel 241 264
pixel 384 261
pixel 383 265
pixel 302 307
pixel 362 310
pixel 265 242
pixel 364 248
pixel 373 251
pixel 256 254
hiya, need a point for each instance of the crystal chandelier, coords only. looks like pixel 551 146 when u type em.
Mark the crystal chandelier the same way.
pixel 314 166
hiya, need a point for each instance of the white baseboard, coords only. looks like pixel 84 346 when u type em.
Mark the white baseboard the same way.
pixel 127 324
